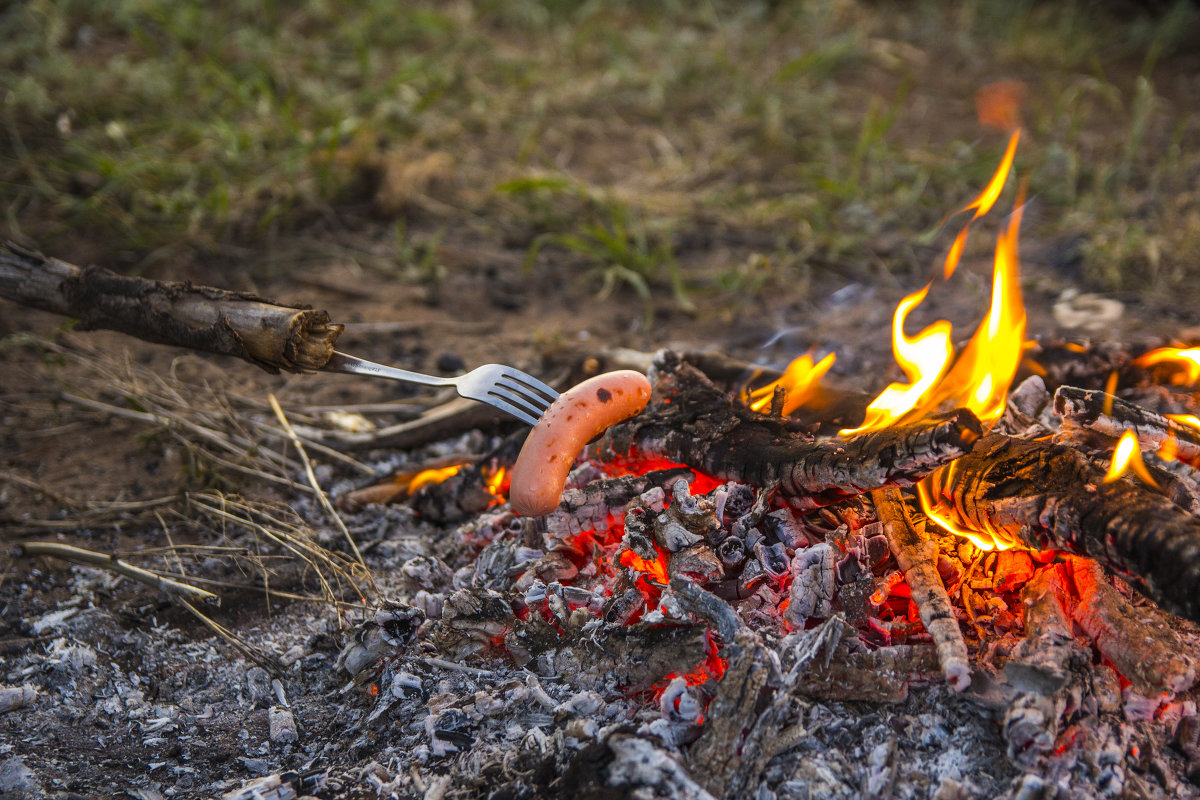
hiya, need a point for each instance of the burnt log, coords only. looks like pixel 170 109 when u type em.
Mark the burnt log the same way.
pixel 1051 496
pixel 693 422
pixel 272 336
pixel 1112 416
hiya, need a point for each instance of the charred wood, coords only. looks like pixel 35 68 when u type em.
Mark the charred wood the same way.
pixel 272 336
pixel 1142 648
pixel 1050 496
pixel 1112 416
pixel 696 424
pixel 917 556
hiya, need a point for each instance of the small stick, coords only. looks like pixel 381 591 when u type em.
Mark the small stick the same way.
pixel 312 479
pixel 454 665
pixel 273 336
pixel 917 557
pixel 91 558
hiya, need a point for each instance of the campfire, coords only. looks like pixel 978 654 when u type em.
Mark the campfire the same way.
pixel 752 538
pixel 1011 528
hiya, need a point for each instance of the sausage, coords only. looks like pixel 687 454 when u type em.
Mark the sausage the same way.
pixel 579 415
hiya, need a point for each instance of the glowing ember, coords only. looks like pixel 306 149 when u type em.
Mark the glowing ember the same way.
pixel 656 569
pixel 1169 449
pixel 1187 360
pixel 801 380
pixel 496 483
pixel 1128 456
pixel 431 476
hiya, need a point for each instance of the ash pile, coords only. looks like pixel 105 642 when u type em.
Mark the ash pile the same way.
pixel 669 633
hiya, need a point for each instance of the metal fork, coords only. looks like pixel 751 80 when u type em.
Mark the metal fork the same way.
pixel 508 389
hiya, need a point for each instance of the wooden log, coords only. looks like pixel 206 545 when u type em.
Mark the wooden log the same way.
pixel 272 336
pixel 1112 416
pixel 1149 653
pixel 917 556
pixel 1050 496
pixel 694 423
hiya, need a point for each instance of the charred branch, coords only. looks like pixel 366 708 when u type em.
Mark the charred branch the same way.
pixel 1050 496
pixel 1112 416
pixel 917 556
pixel 272 336
pixel 696 424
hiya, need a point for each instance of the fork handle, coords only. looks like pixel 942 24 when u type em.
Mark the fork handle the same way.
pixel 340 362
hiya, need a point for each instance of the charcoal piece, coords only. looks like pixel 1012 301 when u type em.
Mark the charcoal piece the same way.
pixel 708 430
pixel 699 563
pixel 638 537
pixel 1050 496
pixel 481 614
pixel 884 675
pixel 732 553
pixel 732 501
pixel 624 606
pixel 853 597
pixel 671 535
pixel 742 721
pixel 752 578
pixel 813 584
pixel 774 559
pixel 398 623
pixel 781 526
pixel 634 657
pixel 706 606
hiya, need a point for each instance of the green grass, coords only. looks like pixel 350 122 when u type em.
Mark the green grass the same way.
pixel 147 128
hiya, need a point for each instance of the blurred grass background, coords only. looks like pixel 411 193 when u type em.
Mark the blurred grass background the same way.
pixel 603 137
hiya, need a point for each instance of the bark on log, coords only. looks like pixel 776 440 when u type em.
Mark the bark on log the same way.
pixel 1082 408
pixel 694 423
pixel 917 557
pixel 274 337
pixel 1051 496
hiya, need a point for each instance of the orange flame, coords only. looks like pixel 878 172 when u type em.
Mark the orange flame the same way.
pixel 497 484
pixel 431 476
pixel 923 359
pixel 982 374
pixel 937 502
pixel 983 203
pixel 800 379
pixel 1169 449
pixel 1127 455
pixel 1187 359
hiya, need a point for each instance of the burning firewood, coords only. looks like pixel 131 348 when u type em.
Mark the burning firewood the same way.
pixel 695 423
pixel 917 557
pixel 272 336
pixel 1050 496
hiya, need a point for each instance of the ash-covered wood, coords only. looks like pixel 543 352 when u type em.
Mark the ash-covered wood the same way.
pixel 694 423
pixel 272 336
pixel 1042 663
pixel 1112 416
pixel 1051 496
pixel 1144 649
pixel 917 556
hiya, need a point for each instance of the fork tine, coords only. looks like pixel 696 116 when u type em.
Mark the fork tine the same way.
pixel 533 384
pixel 501 403
pixel 535 402
pixel 516 398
